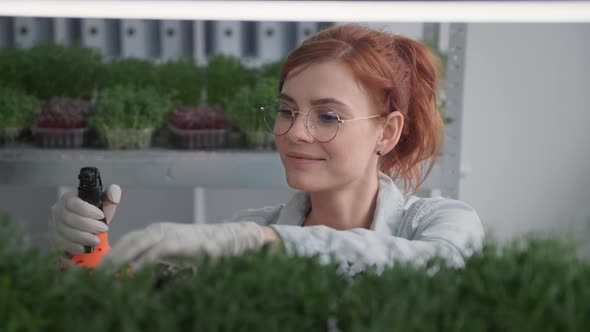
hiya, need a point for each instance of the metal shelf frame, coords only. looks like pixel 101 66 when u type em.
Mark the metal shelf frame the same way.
pixel 215 169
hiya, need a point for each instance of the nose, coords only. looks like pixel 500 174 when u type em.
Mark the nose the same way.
pixel 298 131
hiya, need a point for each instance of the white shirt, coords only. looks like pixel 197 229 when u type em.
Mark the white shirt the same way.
pixel 403 229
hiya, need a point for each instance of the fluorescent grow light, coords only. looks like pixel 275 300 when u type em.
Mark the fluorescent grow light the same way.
pixel 337 11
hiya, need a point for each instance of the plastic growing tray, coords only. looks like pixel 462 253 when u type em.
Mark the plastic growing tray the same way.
pixel 196 139
pixel 9 135
pixel 128 138
pixel 59 138
pixel 261 140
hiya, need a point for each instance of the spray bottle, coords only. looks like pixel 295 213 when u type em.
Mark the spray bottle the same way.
pixel 90 191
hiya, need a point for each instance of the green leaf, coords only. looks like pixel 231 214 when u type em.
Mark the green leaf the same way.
pixel 224 77
pixel 531 284
pixel 57 70
pixel 130 108
pixel 17 108
pixel 242 108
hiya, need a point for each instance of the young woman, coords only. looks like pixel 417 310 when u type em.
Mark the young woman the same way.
pixel 356 110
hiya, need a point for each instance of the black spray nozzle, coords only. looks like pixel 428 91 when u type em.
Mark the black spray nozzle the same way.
pixel 90 190
pixel 90 177
pixel 90 186
pixel 87 177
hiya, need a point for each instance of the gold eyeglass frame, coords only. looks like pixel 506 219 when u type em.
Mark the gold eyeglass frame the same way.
pixel 293 113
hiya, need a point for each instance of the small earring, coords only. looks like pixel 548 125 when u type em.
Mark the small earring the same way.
pixel 379 153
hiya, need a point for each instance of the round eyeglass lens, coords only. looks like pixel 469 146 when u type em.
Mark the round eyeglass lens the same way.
pixel 323 124
pixel 277 118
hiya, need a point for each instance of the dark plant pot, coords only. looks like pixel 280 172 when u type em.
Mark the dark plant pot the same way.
pixel 59 138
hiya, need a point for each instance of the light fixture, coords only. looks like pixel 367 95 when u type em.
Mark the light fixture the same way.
pixel 337 11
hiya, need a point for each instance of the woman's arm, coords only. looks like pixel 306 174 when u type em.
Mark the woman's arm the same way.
pixel 444 227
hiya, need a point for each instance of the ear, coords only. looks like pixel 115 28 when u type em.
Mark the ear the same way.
pixel 392 129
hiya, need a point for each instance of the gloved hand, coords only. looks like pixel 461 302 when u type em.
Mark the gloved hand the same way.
pixel 178 244
pixel 72 221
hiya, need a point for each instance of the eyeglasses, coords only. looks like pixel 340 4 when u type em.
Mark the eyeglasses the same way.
pixel 322 123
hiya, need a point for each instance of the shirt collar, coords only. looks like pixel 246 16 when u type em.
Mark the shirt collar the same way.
pixel 388 210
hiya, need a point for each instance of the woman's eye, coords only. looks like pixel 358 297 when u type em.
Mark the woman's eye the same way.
pixel 284 112
pixel 327 115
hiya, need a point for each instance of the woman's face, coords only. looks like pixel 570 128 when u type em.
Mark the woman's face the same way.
pixel 350 157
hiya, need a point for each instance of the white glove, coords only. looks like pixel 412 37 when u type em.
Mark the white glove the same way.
pixel 179 244
pixel 72 221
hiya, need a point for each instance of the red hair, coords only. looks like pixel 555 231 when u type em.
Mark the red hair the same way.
pixel 401 74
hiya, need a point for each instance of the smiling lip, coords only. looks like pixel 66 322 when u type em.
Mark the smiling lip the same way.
pixel 302 157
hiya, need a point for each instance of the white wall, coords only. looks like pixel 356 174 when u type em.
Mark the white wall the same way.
pixel 413 30
pixel 526 126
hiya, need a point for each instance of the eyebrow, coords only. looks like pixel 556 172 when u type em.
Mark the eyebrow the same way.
pixel 316 102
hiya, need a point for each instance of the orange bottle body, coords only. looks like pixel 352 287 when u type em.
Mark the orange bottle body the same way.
pixel 91 260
